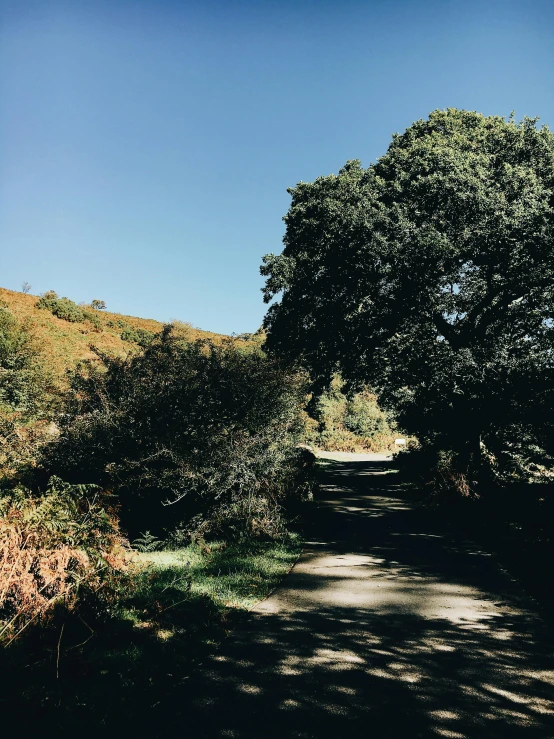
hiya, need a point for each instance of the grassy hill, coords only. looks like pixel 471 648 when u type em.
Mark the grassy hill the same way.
pixel 65 343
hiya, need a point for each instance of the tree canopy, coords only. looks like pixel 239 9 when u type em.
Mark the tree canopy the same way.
pixel 430 275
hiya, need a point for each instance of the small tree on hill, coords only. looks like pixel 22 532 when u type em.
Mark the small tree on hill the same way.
pixel 98 305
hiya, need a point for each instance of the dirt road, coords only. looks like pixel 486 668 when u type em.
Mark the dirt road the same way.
pixel 388 627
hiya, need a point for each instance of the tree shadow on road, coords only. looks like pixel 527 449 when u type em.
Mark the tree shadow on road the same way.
pixel 433 641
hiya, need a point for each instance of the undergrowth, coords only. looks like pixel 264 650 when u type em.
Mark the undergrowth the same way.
pixel 58 550
pixel 343 422
pixel 174 609
pixel 508 510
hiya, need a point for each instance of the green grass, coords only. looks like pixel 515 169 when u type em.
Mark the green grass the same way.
pixel 231 576
pixel 177 607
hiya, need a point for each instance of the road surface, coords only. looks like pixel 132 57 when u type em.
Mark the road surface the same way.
pixel 389 626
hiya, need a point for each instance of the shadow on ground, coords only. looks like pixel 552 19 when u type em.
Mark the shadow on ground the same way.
pixel 387 627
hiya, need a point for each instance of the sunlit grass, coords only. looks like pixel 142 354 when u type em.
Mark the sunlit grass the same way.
pixel 175 609
pixel 231 576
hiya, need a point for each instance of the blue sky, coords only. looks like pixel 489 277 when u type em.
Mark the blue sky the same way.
pixel 146 147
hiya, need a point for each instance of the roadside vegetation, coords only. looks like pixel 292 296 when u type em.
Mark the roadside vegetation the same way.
pixel 188 436
pixel 118 668
pixel 145 503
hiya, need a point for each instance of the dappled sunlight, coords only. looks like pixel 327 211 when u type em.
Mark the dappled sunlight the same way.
pixel 437 683
pixel 459 604
pixel 385 627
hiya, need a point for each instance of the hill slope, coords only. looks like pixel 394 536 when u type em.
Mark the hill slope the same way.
pixel 65 343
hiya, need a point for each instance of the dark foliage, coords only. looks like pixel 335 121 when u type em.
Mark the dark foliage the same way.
pixel 182 429
pixel 430 275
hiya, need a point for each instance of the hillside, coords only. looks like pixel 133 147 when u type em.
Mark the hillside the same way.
pixel 65 343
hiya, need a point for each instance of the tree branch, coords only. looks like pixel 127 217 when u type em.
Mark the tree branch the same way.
pixel 447 330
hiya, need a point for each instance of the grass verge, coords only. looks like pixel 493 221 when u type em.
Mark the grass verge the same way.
pixel 113 676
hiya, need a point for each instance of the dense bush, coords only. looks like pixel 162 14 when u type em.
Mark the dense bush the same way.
pixel 349 422
pixel 93 319
pixel 27 396
pixel 116 324
pixel 56 550
pixel 140 336
pixel 68 310
pixel 184 429
pixel 364 417
pixel 55 544
pixel 24 380
pixel 61 307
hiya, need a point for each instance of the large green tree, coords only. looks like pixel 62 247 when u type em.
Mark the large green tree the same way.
pixel 430 275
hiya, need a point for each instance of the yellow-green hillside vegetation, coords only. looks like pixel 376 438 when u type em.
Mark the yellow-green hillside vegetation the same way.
pixel 64 343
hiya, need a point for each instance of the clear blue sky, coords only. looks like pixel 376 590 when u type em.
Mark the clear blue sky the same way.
pixel 146 147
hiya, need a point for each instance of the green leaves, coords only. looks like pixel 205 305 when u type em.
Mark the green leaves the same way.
pixel 278 270
pixel 181 428
pixel 429 275
pixel 63 308
pixel 23 378
pixel 147 542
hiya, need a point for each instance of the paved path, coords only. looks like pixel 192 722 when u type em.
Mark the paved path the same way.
pixel 388 627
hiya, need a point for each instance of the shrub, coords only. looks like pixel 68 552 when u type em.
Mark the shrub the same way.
pixel 349 422
pixel 67 310
pixel 184 329
pixel 140 336
pixel 24 381
pixel 94 319
pixel 26 399
pixel 63 308
pixel 181 429
pixel 116 324
pixel 56 549
pixel 363 416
